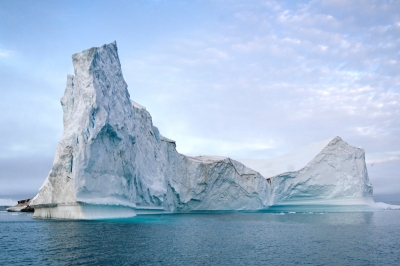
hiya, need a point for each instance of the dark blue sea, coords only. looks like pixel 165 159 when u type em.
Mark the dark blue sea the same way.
pixel 259 238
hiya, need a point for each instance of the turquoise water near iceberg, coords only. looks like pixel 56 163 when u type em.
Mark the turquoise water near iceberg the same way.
pixel 351 238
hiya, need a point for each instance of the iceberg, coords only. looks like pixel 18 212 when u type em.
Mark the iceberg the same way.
pixel 111 161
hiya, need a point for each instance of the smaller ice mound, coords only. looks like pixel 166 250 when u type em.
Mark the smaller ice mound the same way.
pixel 329 172
pixel 289 162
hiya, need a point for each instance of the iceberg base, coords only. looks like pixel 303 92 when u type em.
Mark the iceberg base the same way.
pixel 82 211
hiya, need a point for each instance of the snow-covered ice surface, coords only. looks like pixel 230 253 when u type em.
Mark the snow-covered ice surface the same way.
pixel 112 161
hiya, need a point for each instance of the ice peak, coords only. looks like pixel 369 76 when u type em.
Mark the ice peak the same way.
pixel 98 92
pixel 83 61
pixel 335 140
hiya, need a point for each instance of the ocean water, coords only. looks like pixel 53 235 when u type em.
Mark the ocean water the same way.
pixel 237 238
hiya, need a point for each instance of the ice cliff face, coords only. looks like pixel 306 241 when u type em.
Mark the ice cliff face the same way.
pixel 110 155
pixel 112 161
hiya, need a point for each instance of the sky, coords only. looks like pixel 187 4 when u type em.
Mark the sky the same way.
pixel 244 79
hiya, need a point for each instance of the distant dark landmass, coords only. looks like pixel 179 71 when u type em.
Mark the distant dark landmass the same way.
pixel 3 208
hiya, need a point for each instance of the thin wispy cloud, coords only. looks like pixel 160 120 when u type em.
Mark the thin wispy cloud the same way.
pixel 6 53
pixel 381 157
pixel 308 59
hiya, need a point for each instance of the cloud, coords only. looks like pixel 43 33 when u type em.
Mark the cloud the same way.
pixel 6 53
pixel 216 53
pixel 381 157
pixel 314 73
